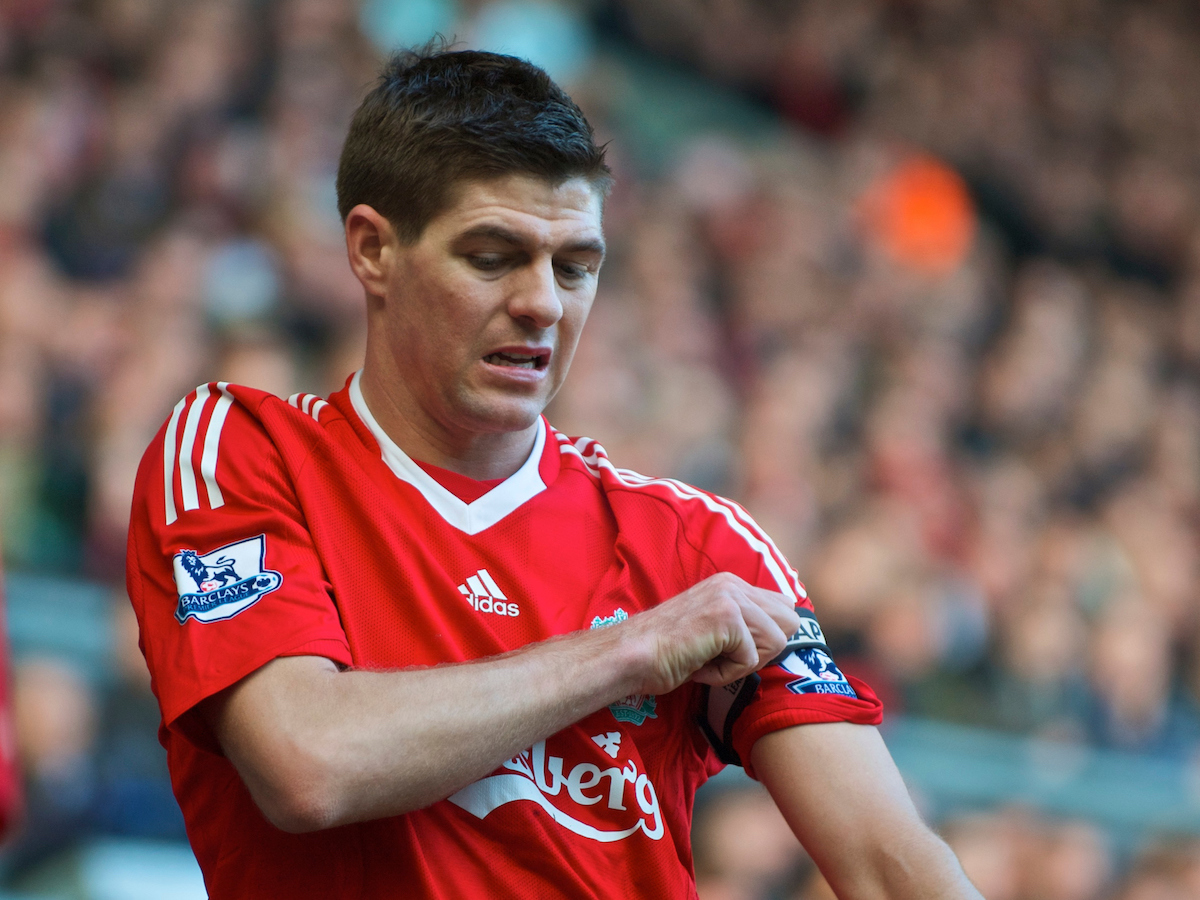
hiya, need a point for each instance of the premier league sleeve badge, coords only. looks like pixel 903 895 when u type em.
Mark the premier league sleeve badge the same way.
pixel 220 584
pixel 807 656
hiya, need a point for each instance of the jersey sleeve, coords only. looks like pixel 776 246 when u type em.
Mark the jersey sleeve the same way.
pixel 221 569
pixel 801 686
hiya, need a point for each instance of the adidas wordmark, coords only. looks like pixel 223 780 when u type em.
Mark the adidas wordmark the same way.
pixel 485 595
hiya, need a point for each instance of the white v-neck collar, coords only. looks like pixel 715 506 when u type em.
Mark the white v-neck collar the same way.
pixel 472 518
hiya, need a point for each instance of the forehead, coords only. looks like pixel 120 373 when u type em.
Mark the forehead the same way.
pixel 531 205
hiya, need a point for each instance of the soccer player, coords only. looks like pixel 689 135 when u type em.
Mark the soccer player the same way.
pixel 411 641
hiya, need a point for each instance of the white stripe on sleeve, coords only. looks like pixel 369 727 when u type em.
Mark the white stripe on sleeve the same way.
pixel 169 461
pixel 187 471
pixel 212 446
pixel 736 518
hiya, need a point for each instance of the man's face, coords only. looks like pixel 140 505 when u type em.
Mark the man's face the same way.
pixel 483 312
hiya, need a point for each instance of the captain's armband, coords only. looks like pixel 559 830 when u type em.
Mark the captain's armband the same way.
pixel 810 670
pixel 807 637
pixel 806 655
pixel 720 708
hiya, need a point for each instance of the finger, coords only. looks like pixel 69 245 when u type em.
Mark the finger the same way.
pixel 780 607
pixel 741 645
pixel 769 638
pixel 720 672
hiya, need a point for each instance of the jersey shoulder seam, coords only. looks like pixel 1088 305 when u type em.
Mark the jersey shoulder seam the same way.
pixel 623 486
pixel 184 432
pixel 729 513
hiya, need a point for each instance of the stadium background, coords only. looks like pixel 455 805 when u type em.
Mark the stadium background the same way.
pixel 916 281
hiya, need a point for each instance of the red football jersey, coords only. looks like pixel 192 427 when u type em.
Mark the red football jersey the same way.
pixel 263 528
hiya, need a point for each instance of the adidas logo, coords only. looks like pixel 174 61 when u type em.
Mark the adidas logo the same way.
pixel 485 595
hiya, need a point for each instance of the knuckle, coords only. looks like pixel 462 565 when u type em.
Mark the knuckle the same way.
pixel 725 580
pixel 728 607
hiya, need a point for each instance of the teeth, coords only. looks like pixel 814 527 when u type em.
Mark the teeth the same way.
pixel 507 359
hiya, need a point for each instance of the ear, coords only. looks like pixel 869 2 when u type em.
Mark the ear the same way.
pixel 371 245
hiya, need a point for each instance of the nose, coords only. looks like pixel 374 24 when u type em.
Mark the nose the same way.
pixel 535 297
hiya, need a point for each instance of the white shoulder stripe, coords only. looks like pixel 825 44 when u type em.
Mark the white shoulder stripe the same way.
pixel 785 578
pixel 308 403
pixel 793 575
pixel 180 456
pixel 212 445
pixel 770 551
pixel 169 461
pixel 187 471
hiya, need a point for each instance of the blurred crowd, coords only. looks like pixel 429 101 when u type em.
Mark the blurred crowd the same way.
pixel 940 334
pixel 745 851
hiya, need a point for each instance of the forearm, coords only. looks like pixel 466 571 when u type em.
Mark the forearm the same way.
pixel 840 792
pixel 914 866
pixel 349 746
pixel 318 747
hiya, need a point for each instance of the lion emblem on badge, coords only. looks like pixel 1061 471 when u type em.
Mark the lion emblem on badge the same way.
pixel 207 577
pixel 818 673
pixel 818 667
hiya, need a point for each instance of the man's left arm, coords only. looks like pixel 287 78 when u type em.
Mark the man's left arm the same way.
pixel 842 795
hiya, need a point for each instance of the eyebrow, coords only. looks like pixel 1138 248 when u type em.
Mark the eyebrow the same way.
pixel 497 232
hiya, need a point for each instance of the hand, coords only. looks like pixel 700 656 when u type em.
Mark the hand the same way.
pixel 714 633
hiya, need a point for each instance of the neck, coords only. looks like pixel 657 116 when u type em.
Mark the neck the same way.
pixel 482 456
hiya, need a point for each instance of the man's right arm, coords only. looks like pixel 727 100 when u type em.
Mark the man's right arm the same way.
pixel 318 746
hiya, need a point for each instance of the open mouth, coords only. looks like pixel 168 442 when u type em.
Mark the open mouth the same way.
pixel 519 360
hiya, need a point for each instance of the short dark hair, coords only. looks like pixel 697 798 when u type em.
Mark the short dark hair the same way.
pixel 438 117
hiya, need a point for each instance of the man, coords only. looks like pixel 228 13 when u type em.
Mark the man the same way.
pixel 413 642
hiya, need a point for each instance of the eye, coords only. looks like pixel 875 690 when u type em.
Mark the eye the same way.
pixel 486 262
pixel 572 271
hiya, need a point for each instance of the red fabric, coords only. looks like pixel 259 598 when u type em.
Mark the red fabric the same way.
pixel 772 712
pixel 463 487
pixel 373 575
